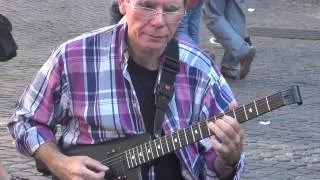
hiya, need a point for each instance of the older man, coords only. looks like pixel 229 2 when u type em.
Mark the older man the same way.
pixel 100 87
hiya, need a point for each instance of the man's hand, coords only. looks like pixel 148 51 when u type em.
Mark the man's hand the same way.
pixel 69 167
pixel 80 168
pixel 228 144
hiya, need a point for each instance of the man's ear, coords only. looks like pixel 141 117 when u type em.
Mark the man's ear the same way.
pixel 122 6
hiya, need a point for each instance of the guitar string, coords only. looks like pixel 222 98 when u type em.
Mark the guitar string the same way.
pixel 188 130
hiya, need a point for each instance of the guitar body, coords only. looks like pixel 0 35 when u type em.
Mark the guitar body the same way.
pixel 105 152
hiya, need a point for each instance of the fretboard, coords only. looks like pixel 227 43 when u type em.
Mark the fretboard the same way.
pixel 161 146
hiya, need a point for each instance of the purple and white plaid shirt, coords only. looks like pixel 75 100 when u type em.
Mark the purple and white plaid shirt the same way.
pixel 85 87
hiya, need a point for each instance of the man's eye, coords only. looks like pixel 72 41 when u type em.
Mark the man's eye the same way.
pixel 171 9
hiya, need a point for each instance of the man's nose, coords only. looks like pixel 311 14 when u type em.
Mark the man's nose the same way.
pixel 158 18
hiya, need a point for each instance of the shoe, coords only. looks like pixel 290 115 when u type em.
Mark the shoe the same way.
pixel 230 73
pixel 245 62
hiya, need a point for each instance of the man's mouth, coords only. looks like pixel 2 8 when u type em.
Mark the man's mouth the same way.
pixel 152 36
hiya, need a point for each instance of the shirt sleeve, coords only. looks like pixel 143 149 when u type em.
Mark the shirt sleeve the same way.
pixel 35 116
pixel 217 100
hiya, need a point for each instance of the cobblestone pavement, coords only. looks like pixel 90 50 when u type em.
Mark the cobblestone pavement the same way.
pixel 288 148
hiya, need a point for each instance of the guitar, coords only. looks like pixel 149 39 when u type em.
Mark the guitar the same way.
pixel 124 156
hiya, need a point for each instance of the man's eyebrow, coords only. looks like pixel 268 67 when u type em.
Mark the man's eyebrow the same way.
pixel 176 6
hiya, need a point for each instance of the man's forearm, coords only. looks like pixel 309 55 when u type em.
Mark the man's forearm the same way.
pixel 50 155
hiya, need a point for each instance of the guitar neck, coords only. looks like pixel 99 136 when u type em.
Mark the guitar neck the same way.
pixel 161 146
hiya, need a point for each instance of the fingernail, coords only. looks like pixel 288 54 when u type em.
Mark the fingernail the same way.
pixel 105 168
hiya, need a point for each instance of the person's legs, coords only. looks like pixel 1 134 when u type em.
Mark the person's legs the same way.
pixel 194 21
pixel 183 29
pixel 235 15
pixel 217 23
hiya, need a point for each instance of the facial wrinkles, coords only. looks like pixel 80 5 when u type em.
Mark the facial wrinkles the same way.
pixel 157 25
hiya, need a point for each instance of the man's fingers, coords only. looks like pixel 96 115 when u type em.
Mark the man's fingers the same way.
pixel 91 174
pixel 226 128
pixel 94 169
pixel 95 165
pixel 217 131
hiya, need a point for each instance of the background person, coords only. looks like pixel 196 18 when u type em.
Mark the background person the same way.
pixel 226 21
pixel 189 28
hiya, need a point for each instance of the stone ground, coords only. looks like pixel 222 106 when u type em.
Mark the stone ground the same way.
pixel 288 148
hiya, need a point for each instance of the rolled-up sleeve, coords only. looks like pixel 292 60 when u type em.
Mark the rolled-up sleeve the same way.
pixel 33 122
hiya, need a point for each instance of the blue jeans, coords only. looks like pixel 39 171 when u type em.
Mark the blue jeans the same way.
pixel 189 27
pixel 226 21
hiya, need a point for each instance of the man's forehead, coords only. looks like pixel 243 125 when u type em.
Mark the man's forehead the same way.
pixel 156 1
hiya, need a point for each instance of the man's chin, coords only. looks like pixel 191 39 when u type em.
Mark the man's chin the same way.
pixel 154 45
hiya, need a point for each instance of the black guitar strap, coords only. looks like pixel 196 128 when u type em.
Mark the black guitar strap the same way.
pixel 165 89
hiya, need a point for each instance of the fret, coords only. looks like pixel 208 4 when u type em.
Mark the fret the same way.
pixel 268 103
pixel 251 111
pixel 209 132
pixel 151 149
pixel 185 134
pixel 179 138
pixel 262 106
pixel 147 151
pixel 241 117
pixel 255 105
pixel 133 157
pixel 161 146
pixel 130 158
pixel 155 145
pixel 138 154
pixel 173 140
pixel 205 129
pixel 196 132
pixel 234 114
pixel 245 112
pixel 199 127
pixel 181 134
pixel 141 152
pixel 128 162
pixel 165 137
pixel 192 134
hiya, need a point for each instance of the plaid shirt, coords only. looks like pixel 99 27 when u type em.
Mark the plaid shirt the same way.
pixel 85 87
